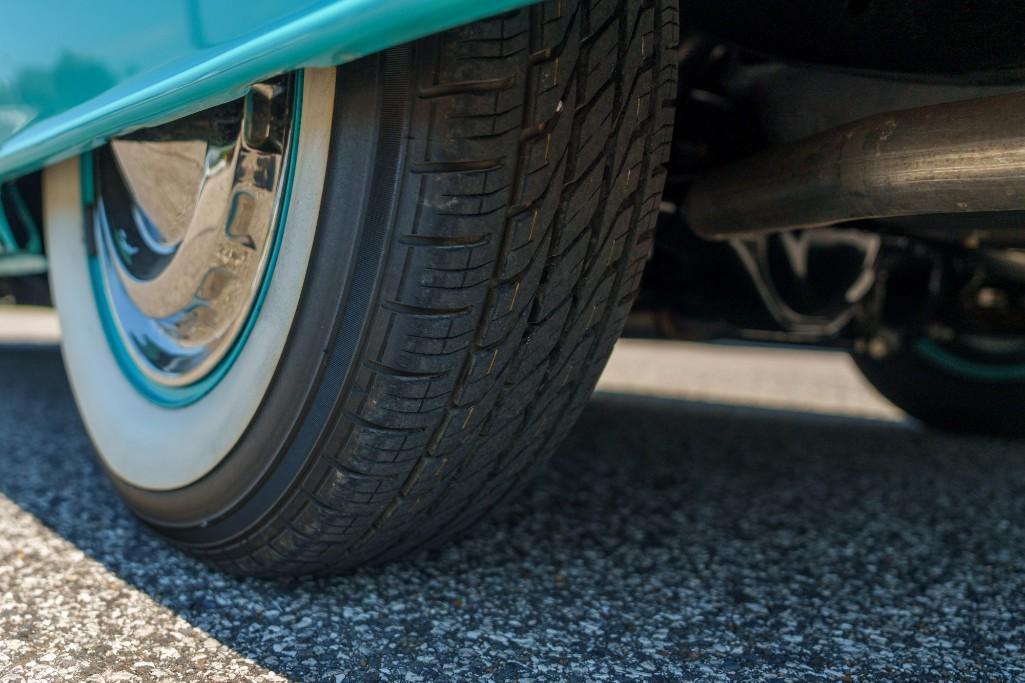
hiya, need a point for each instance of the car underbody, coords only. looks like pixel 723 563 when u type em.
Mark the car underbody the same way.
pixel 823 192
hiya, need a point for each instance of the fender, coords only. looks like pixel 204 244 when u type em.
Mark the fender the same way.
pixel 74 74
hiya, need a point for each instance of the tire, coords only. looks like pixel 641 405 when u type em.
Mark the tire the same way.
pixel 464 259
pixel 949 393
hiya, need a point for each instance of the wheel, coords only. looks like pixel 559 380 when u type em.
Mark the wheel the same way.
pixel 959 386
pixel 324 327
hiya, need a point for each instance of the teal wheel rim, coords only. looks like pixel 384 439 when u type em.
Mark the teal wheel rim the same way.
pixel 965 367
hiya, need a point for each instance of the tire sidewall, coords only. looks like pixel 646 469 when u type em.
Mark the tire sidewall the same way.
pixel 141 444
pixel 277 450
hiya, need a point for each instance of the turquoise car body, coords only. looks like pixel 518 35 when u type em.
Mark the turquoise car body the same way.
pixel 73 74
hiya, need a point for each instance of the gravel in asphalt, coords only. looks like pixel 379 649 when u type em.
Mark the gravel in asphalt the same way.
pixel 670 539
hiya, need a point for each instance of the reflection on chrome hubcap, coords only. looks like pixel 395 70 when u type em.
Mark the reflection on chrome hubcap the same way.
pixel 184 222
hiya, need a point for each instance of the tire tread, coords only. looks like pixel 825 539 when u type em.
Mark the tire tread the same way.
pixel 532 181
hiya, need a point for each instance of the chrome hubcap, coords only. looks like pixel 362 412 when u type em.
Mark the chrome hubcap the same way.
pixel 185 223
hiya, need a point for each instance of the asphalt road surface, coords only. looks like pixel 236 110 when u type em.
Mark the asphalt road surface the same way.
pixel 720 513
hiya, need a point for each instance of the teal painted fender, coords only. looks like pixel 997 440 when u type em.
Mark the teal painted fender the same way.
pixel 75 73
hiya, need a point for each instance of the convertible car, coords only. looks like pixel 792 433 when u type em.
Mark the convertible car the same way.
pixel 335 276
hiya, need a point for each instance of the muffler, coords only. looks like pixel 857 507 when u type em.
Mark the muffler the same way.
pixel 959 157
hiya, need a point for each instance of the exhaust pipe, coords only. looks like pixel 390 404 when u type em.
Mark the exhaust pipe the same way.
pixel 960 157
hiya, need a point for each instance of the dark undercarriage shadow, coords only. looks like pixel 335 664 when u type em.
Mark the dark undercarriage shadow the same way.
pixel 693 537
